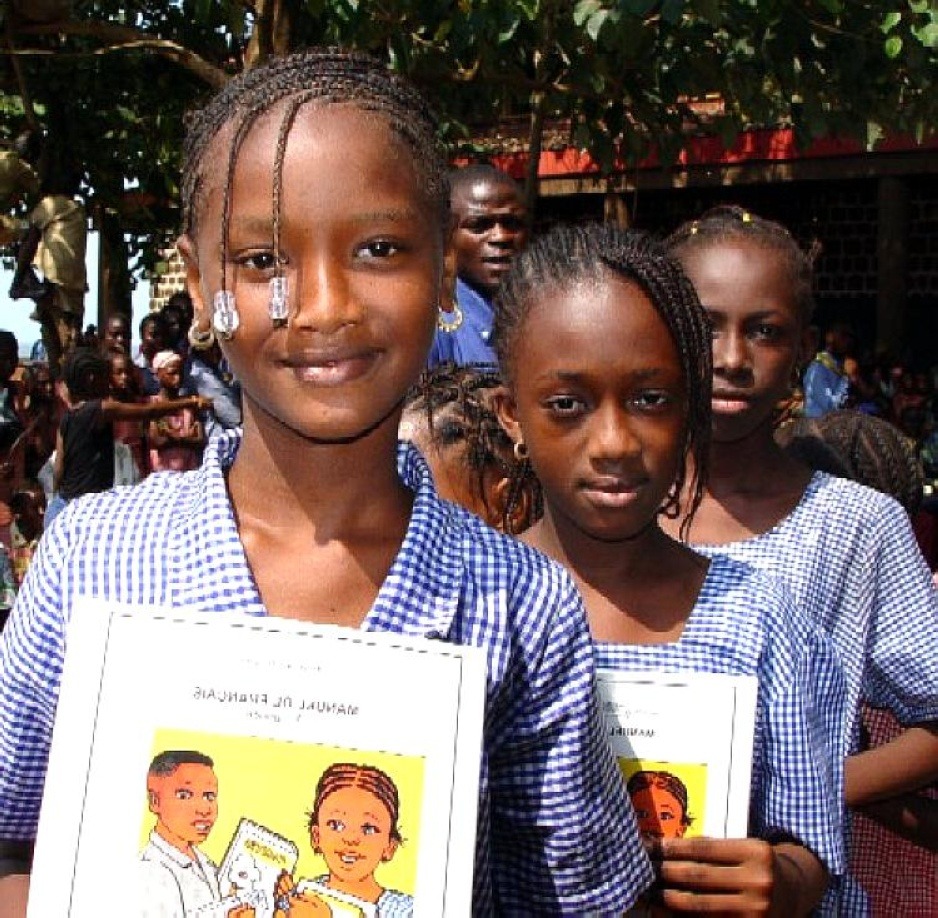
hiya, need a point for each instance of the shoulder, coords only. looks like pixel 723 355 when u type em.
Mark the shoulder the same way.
pixel 844 505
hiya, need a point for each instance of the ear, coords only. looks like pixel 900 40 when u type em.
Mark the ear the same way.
pixel 153 800
pixel 447 297
pixel 201 311
pixel 503 404
pixel 389 851
pixel 314 839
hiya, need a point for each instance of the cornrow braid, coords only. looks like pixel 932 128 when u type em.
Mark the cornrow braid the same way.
pixel 344 774
pixel 456 401
pixel 728 222
pixel 84 372
pixel 317 75
pixel 570 254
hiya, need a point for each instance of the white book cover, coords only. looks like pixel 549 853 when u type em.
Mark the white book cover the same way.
pixel 683 742
pixel 197 756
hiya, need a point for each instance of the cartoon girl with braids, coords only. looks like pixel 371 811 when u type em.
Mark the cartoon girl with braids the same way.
pixel 353 825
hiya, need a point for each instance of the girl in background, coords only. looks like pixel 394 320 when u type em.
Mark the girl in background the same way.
pixel 605 351
pixel 846 553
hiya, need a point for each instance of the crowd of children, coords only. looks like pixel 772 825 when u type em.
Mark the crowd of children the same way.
pixel 626 502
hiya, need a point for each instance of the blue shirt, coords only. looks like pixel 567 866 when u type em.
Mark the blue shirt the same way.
pixel 471 342
pixel 556 833
pixel 745 624
pixel 825 386
pixel 848 556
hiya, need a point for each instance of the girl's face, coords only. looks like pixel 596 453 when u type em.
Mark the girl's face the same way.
pixel 361 250
pixel 353 832
pixel 120 374
pixel 170 376
pixel 599 398
pixel 659 813
pixel 757 331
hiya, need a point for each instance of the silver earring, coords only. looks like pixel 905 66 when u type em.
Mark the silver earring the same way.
pixel 225 318
pixel 278 307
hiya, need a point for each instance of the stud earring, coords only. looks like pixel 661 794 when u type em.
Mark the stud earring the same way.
pixel 225 318
pixel 521 451
pixel 278 306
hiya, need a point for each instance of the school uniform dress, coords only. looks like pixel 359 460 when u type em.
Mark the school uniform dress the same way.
pixel 556 833
pixel 744 624
pixel 848 556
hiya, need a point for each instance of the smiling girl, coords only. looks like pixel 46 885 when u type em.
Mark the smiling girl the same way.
pixel 317 218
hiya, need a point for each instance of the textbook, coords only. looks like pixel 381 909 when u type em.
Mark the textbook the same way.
pixel 205 765
pixel 684 745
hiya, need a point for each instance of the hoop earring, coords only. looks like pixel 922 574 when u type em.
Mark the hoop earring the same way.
pixel 671 508
pixel 225 318
pixel 200 340
pixel 520 451
pixel 278 306
pixel 449 325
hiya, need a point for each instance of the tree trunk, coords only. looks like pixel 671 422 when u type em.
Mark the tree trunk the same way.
pixel 535 143
pixel 113 269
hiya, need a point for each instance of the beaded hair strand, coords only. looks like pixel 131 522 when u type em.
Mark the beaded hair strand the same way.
pixel 570 254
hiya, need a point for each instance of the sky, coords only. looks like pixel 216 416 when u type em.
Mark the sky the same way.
pixel 14 314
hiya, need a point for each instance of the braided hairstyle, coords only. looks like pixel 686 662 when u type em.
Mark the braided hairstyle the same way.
pixel 570 254
pixel 344 774
pixel 867 449
pixel 672 784
pixel 86 373
pixel 456 402
pixel 728 222
pixel 319 76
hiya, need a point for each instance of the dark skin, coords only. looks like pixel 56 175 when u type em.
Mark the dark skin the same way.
pixel 599 399
pixel 753 485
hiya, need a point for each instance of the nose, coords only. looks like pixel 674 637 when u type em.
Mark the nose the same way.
pixel 613 440
pixel 730 352
pixel 323 299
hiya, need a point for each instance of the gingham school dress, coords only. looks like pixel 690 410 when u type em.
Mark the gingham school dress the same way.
pixel 556 833
pixel 848 556
pixel 745 624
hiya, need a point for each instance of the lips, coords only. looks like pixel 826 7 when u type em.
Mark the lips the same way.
pixel 725 402
pixel 331 368
pixel 610 493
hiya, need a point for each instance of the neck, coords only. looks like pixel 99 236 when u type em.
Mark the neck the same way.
pixel 745 464
pixel 282 479
pixel 366 888
pixel 175 841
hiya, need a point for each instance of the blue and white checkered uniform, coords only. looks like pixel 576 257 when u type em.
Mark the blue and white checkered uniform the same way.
pixel 745 624
pixel 556 832
pixel 848 556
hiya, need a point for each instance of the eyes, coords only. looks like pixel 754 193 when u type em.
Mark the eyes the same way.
pixel 759 330
pixel 337 825
pixel 643 402
pixel 183 793
pixel 263 261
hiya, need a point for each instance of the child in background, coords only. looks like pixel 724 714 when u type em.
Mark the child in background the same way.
pixel 176 440
pixel 846 553
pixel 605 351
pixel 316 209
pixel 84 451
pixel 125 387
pixel 450 418
pixel 29 506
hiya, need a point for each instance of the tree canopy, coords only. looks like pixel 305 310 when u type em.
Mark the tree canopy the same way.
pixel 110 82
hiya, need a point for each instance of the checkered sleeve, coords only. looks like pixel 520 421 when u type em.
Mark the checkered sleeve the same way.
pixel 32 648
pixel 564 837
pixel 798 785
pixel 904 616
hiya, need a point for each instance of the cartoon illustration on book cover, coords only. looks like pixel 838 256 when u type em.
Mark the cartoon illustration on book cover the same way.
pixel 265 828
pixel 668 798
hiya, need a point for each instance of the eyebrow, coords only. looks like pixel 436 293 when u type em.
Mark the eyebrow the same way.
pixel 265 224
pixel 577 376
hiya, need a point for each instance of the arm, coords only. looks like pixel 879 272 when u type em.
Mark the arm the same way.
pixel 14 889
pixel 913 817
pixel 113 410
pixel 908 762
pixel 748 876
pixel 58 467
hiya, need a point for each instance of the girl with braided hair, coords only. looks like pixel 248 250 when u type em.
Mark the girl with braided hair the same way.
pixel 847 553
pixel 605 350
pixel 317 219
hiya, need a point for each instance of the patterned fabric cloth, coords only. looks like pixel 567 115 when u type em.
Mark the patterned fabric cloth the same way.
pixel 744 624
pixel 825 386
pixel 471 342
pixel 556 832
pixel 848 556
pixel 901 878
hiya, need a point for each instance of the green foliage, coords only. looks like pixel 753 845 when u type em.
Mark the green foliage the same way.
pixel 622 71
